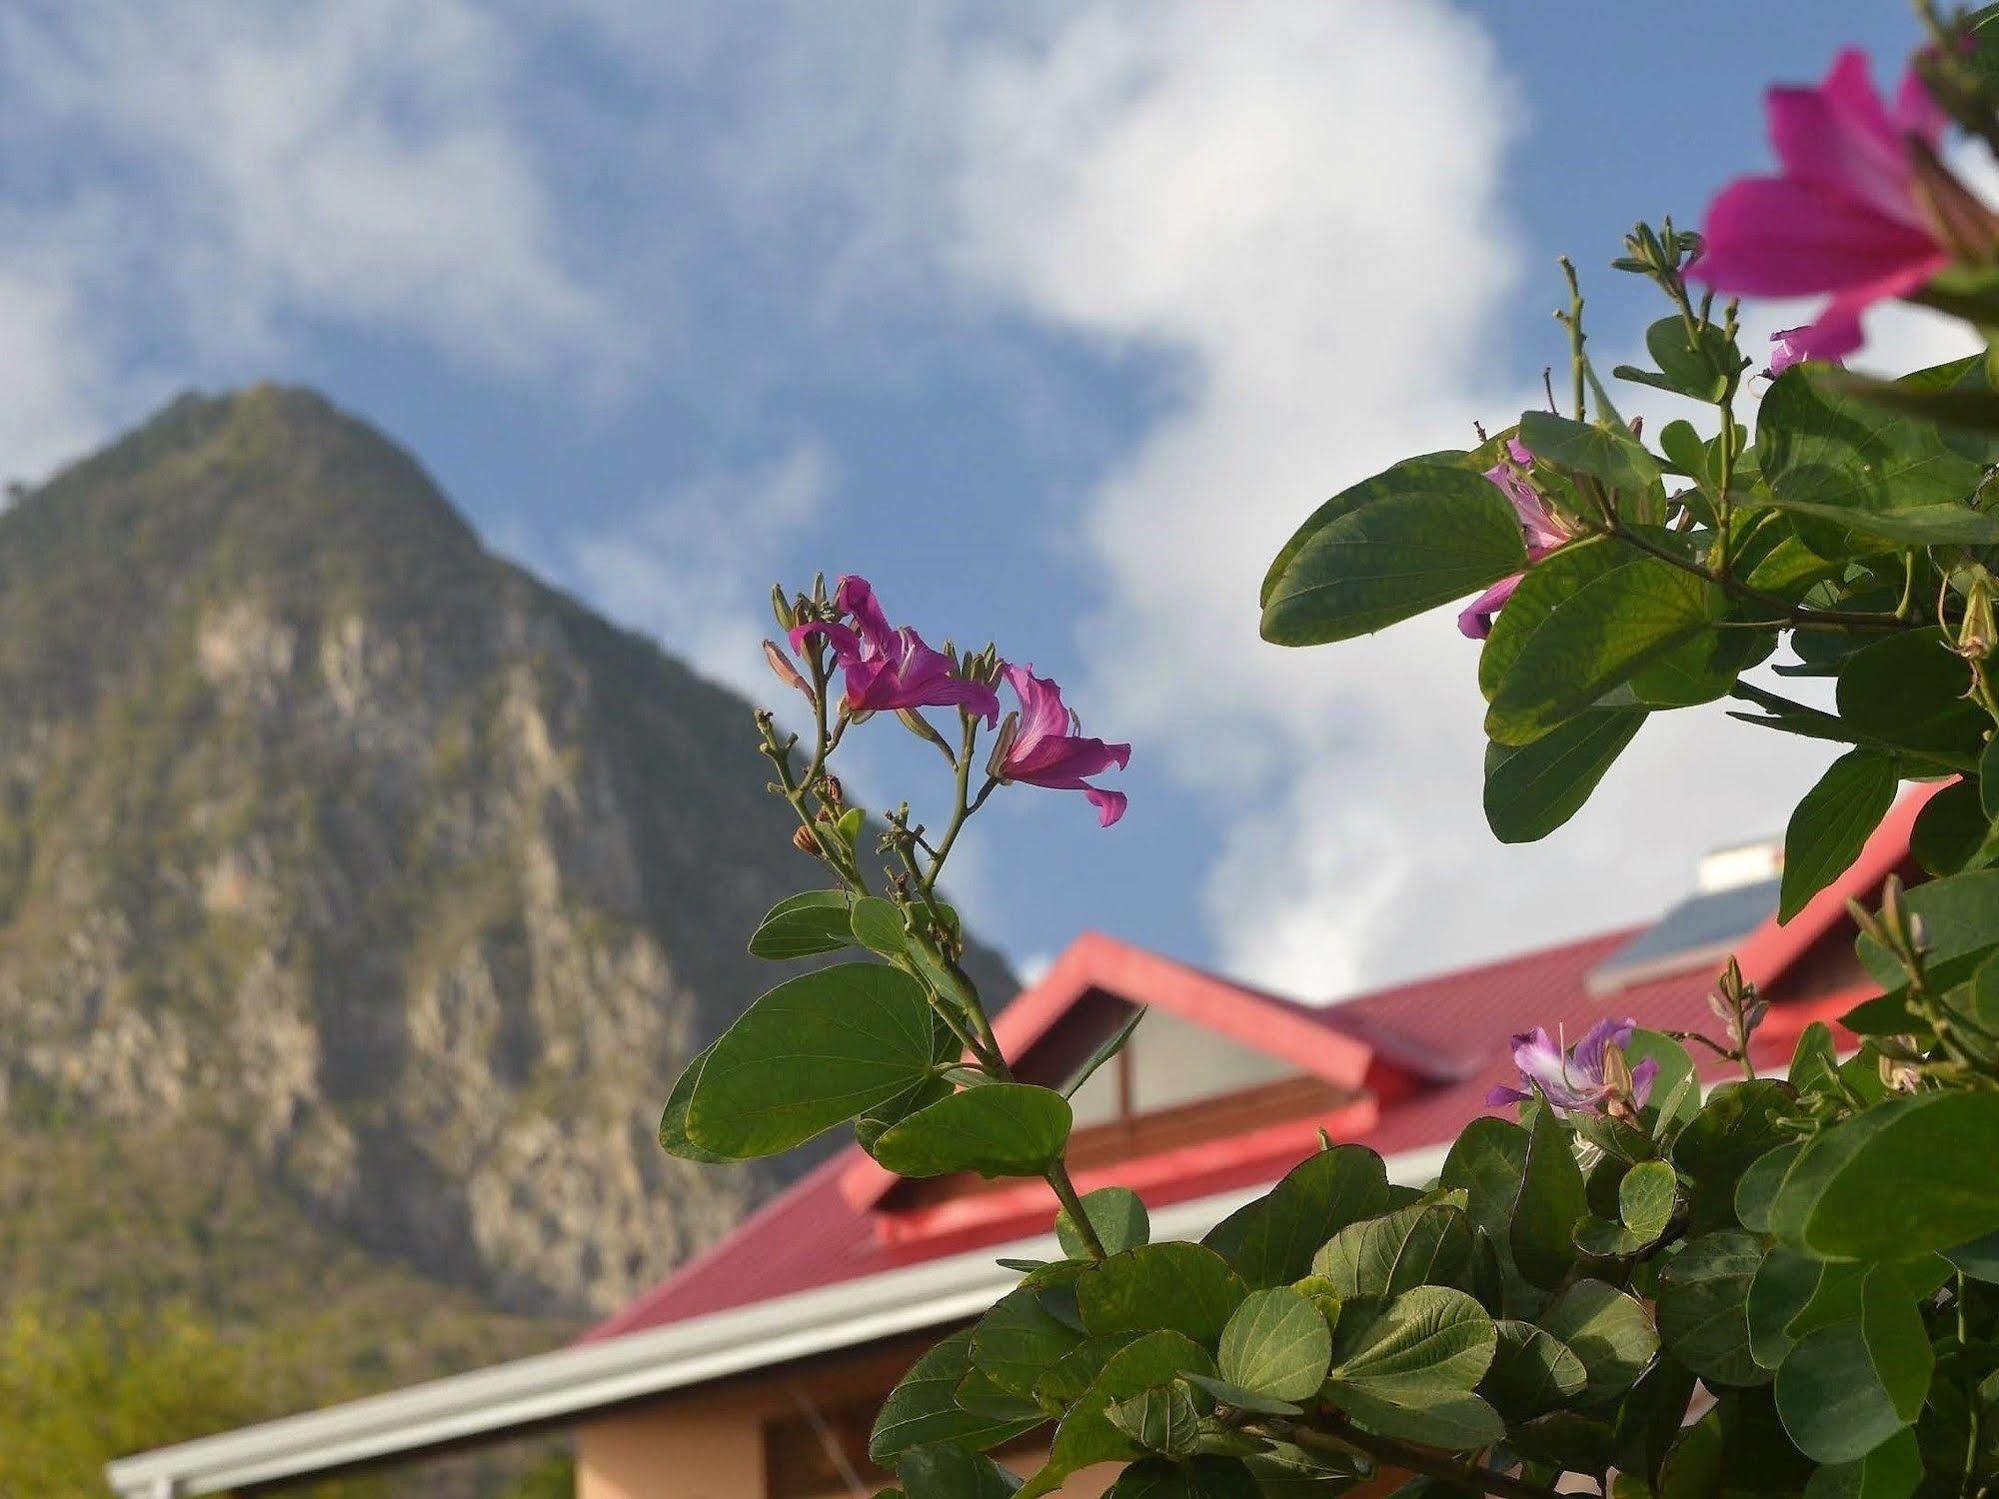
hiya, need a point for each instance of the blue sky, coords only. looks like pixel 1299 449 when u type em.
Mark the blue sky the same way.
pixel 1052 319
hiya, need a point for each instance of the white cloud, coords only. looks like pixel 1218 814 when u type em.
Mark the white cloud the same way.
pixel 247 170
pixel 694 567
pixel 1304 205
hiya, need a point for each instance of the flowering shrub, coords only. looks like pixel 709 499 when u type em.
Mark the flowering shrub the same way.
pixel 1783 1285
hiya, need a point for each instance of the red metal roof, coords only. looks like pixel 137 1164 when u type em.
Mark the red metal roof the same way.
pixel 1427 1053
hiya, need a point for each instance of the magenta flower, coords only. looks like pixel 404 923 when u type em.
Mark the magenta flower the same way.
pixel 1539 525
pixel 1851 213
pixel 890 668
pixel 1046 748
pixel 1573 1082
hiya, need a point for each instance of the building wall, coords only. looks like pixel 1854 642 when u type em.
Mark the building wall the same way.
pixel 710 1444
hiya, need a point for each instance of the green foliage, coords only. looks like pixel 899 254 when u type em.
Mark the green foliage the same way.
pixel 1419 535
pixel 1818 1253
pixel 83 1388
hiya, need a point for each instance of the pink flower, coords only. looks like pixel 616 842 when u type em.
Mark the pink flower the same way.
pixel 1785 350
pixel 1852 213
pixel 1046 748
pixel 888 668
pixel 1573 1083
pixel 1538 524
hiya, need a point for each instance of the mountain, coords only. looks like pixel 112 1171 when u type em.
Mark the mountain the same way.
pixel 360 898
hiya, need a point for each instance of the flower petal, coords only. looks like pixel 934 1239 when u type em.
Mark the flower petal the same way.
pixel 1475 619
pixel 1839 139
pixel 1110 805
pixel 1775 237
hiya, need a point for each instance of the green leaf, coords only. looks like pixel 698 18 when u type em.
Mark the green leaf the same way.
pixel 1184 1287
pixel 1613 456
pixel 1699 367
pixel 1909 690
pixel 1917 526
pixel 1020 1340
pixel 1959 916
pixel 1950 829
pixel 1072 1374
pixel 1116 1213
pixel 1202 1478
pixel 1276 1344
pixel 1890 1471
pixel 1245 1400
pixel 1757 1191
pixel 1001 1129
pixel 1424 1344
pixel 1423 1243
pixel 1162 1419
pixel 1813 1059
pixel 1271 1241
pixel 1700 670
pixel 1547 585
pixel 1288 1471
pixel 1645 1199
pixel 1783 1286
pixel 1109 1047
pixel 1532 1372
pixel 1609 1332
pixel 1908 1176
pixel 1533 789
pixel 883 1117
pixel 1831 825
pixel 923 1408
pixel 803 926
pixel 877 926
pixel 673 1119
pixel 813 1052
pixel 1086 1434
pixel 1454 1422
pixel 1393 546
pixel 1703 1307
pixel 1591 640
pixel 1978 1259
pixel 1847 1388
pixel 1739 1125
pixel 1826 448
pixel 1486 1162
pixel 1676 1093
pixel 1550 1202
pixel 944 1471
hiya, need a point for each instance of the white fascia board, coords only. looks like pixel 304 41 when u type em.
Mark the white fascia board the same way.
pixel 573 1381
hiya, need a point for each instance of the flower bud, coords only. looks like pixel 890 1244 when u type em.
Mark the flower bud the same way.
pixel 1963 224
pixel 782 668
pixel 1009 730
pixel 804 841
pixel 780 606
pixel 831 790
pixel 1977 635
pixel 921 727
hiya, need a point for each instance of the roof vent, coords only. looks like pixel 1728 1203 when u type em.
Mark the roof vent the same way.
pixel 1735 892
pixel 1739 864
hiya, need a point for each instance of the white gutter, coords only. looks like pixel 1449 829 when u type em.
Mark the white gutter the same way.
pixel 553 1387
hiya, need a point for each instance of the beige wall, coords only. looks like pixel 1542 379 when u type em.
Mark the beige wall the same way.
pixel 709 1444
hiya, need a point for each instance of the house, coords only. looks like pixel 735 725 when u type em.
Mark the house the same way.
pixel 754 1371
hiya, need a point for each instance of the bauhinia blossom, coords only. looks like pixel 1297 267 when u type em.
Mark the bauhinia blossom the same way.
pixel 1785 350
pixel 887 668
pixel 1581 1081
pixel 1539 525
pixel 1044 746
pixel 1862 209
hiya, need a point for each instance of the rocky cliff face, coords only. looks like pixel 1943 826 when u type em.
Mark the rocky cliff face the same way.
pixel 332 837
